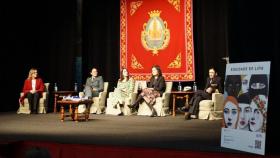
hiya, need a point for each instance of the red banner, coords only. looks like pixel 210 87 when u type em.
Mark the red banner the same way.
pixel 157 32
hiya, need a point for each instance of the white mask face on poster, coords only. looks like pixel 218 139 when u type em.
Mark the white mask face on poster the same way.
pixel 256 120
pixel 244 116
pixel 230 115
pixel 245 83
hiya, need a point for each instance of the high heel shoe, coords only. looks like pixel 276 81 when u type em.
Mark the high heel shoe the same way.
pixel 154 113
pixel 131 106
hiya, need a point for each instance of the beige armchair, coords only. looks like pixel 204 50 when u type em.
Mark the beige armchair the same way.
pixel 98 105
pixel 161 106
pixel 211 109
pixel 128 101
pixel 43 103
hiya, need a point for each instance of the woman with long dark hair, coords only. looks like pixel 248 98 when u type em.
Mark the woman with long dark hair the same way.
pixel 155 89
pixel 124 88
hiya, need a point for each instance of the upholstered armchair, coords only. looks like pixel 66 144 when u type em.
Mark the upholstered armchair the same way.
pixel 98 105
pixel 43 103
pixel 212 109
pixel 110 109
pixel 161 106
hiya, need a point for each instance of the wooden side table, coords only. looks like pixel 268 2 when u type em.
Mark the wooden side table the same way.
pixel 60 94
pixel 180 95
pixel 73 108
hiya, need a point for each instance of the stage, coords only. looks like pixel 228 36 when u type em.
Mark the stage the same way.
pixel 164 133
pixel 133 131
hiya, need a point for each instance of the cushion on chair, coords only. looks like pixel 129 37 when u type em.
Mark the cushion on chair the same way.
pixel 206 105
pixel 211 109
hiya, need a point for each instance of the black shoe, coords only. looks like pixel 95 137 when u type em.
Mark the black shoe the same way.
pixel 154 113
pixel 187 116
pixel 131 106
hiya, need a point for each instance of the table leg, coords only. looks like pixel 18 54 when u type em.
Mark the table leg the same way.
pixel 71 111
pixel 174 105
pixel 76 114
pixel 87 115
pixel 54 105
pixel 61 113
pixel 87 111
pixel 187 103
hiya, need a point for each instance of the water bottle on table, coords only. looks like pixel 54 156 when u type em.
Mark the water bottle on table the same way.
pixel 194 87
pixel 55 87
pixel 179 86
pixel 76 87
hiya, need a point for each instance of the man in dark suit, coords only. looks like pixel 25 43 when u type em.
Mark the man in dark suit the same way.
pixel 94 84
pixel 213 83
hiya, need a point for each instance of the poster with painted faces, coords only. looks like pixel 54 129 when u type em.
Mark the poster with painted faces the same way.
pixel 246 90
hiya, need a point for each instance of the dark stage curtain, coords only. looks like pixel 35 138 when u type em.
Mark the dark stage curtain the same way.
pixel 254 36
pixel 210 37
pixel 40 34
pixel 101 34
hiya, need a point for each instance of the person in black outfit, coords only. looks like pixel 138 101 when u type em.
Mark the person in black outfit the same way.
pixel 156 88
pixel 213 83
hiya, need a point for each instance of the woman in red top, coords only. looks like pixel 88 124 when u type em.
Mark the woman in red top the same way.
pixel 32 89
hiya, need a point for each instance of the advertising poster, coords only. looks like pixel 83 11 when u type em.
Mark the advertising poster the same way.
pixel 245 108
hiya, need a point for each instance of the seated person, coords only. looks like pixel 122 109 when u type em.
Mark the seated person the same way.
pixel 155 89
pixel 32 89
pixel 94 84
pixel 213 83
pixel 124 87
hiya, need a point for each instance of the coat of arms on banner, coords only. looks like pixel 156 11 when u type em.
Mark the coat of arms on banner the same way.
pixel 155 35
pixel 157 32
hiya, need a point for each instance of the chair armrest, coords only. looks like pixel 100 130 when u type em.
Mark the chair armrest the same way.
pixel 166 95
pixel 110 94
pixel 166 98
pixel 163 97
pixel 44 95
pixel 101 94
pixel 133 97
pixel 218 100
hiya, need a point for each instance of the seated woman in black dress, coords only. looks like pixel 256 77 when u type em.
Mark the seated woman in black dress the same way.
pixel 155 89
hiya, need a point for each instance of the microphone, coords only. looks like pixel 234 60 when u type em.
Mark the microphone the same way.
pixel 226 59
